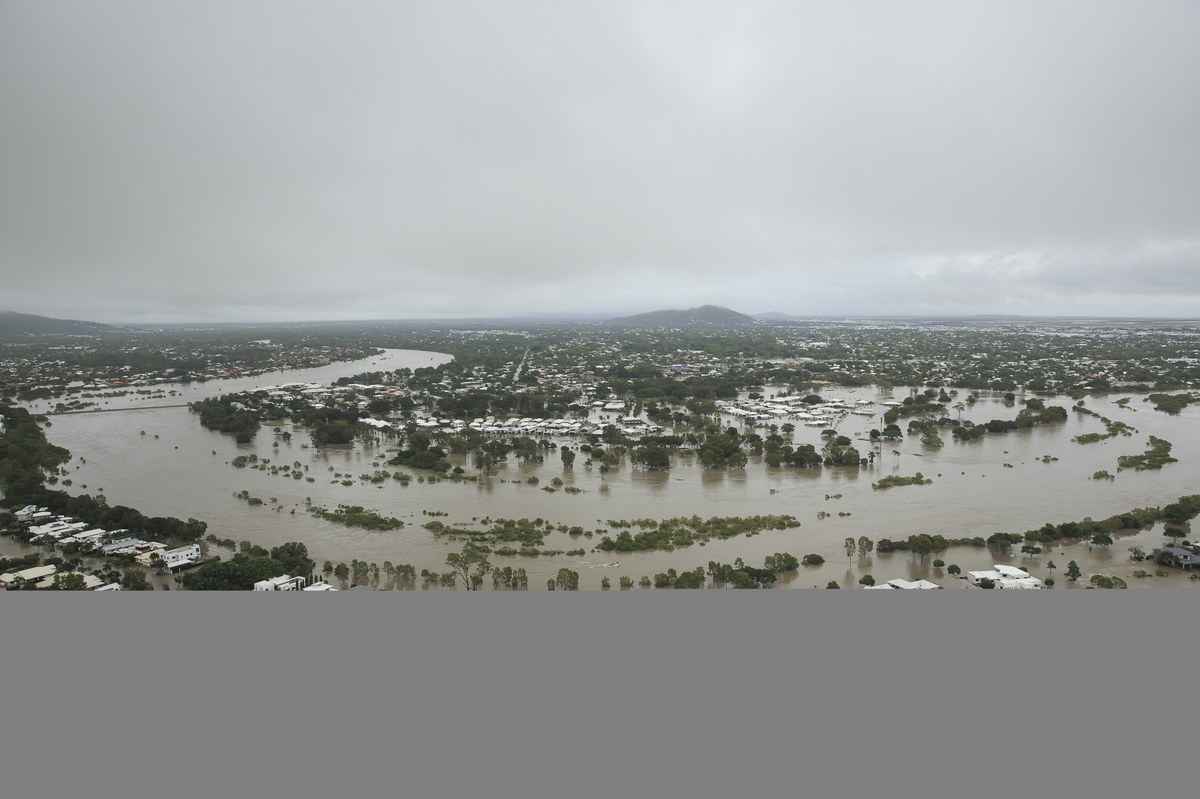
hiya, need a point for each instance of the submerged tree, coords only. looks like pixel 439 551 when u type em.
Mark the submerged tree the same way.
pixel 471 565
pixel 567 580
pixel 71 581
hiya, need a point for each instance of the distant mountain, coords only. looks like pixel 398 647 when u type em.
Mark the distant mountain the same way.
pixel 19 324
pixel 776 316
pixel 704 315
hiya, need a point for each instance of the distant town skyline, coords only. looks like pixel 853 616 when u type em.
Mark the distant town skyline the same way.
pixel 261 161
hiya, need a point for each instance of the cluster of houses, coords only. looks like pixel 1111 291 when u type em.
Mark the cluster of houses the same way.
pixel 1000 576
pixel 222 362
pixel 527 426
pixel 318 396
pixel 44 577
pixel 96 542
pixel 46 528
pixel 824 415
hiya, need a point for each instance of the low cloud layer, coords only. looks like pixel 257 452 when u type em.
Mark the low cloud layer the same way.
pixel 251 160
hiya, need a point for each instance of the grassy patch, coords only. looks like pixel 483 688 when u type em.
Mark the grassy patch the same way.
pixel 677 533
pixel 1172 403
pixel 356 516
pixel 895 480
pixel 1157 455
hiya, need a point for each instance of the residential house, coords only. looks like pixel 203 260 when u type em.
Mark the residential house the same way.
pixel 34 574
pixel 147 557
pixel 1004 578
pixel 1177 556
pixel 906 585
pixel 181 557
pixel 281 583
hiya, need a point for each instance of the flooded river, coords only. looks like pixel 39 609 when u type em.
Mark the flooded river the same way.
pixel 153 455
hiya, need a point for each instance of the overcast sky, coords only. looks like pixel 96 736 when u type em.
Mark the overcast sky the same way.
pixel 238 160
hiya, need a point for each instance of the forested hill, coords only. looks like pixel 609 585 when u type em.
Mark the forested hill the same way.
pixel 704 315
pixel 19 324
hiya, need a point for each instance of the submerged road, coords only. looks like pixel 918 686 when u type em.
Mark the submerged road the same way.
pixel 114 410
pixel 520 367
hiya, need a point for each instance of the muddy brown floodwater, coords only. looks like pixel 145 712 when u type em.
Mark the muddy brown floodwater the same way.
pixel 1004 483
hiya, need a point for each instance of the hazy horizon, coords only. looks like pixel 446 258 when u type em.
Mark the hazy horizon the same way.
pixel 567 317
pixel 287 161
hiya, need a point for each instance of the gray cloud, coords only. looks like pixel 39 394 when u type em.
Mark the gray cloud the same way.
pixel 290 160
